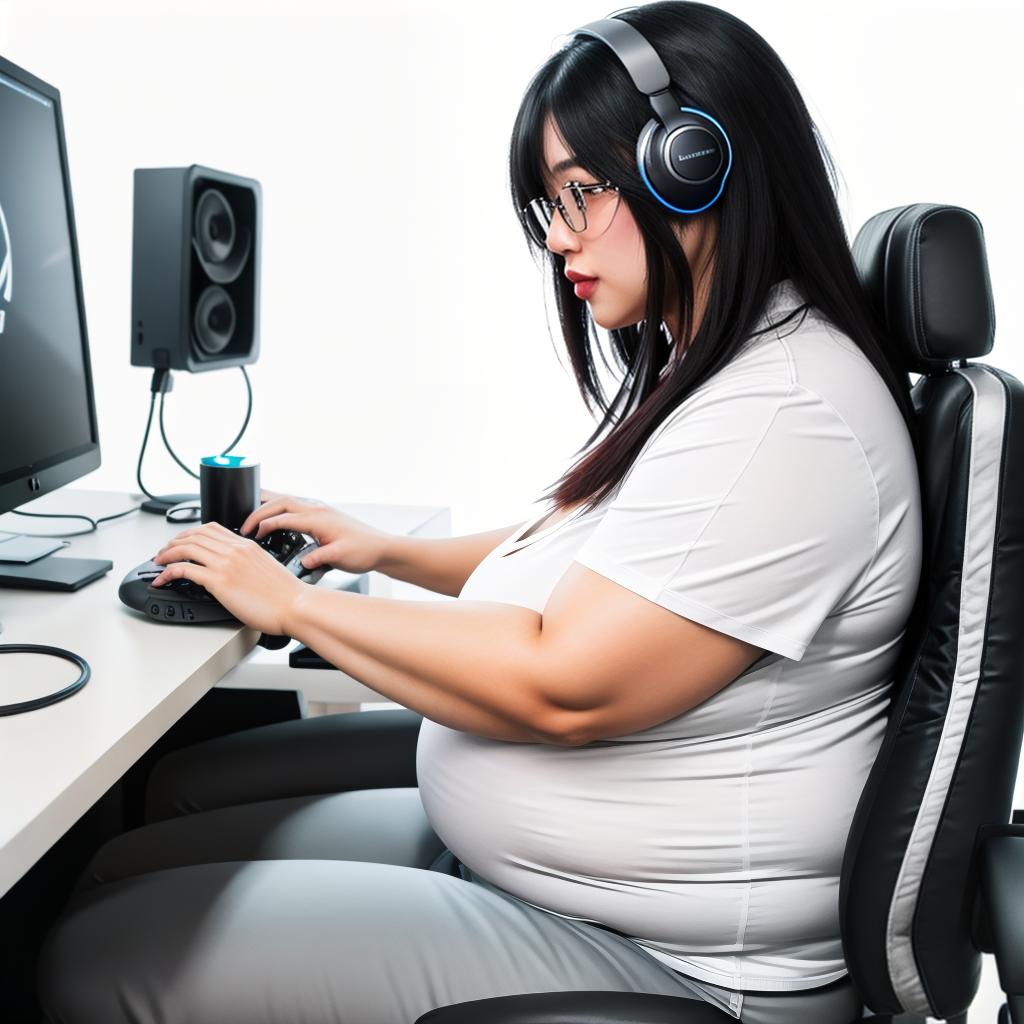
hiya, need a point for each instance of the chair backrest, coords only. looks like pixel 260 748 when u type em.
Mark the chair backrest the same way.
pixel 949 758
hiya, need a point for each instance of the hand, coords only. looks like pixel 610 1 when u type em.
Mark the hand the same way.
pixel 346 543
pixel 250 583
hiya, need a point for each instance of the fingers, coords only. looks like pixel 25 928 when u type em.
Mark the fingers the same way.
pixel 213 530
pixel 204 548
pixel 283 521
pixel 284 503
pixel 175 566
pixel 271 508
pixel 189 570
pixel 314 558
pixel 198 547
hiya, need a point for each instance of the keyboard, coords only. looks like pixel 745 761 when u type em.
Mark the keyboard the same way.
pixel 184 602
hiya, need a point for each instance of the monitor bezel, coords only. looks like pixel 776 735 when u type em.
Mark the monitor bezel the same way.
pixel 26 483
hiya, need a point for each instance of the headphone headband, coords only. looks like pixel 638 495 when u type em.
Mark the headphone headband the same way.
pixel 639 57
pixel 683 154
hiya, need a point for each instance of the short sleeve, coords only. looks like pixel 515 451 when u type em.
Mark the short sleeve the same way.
pixel 752 510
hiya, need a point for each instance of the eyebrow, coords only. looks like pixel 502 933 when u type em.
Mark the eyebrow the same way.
pixel 564 165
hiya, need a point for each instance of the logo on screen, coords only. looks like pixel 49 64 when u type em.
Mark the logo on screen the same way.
pixel 5 267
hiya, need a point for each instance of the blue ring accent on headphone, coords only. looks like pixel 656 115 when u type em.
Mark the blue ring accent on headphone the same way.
pixel 728 146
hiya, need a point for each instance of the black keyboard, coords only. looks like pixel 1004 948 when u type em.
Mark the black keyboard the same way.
pixel 184 602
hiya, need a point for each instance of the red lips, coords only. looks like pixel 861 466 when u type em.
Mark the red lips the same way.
pixel 574 277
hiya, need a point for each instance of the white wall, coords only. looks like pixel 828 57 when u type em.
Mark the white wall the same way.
pixel 409 352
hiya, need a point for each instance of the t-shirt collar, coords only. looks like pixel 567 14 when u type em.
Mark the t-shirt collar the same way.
pixel 783 298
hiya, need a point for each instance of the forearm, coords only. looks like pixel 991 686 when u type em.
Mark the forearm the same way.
pixel 469 665
pixel 440 564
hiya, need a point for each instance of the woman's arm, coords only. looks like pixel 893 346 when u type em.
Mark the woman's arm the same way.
pixel 441 564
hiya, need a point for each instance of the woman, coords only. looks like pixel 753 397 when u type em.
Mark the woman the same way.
pixel 652 793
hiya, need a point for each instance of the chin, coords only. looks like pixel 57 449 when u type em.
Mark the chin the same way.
pixel 610 323
pixel 614 319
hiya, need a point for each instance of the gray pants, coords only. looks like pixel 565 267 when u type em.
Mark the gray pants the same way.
pixel 322 907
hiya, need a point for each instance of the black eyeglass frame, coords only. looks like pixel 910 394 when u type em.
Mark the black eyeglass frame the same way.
pixel 548 206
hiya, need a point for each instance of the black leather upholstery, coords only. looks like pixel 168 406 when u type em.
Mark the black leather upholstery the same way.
pixel 925 271
pixel 578 1008
pixel 949 758
pixel 1002 878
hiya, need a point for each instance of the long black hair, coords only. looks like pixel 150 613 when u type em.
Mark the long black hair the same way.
pixel 776 219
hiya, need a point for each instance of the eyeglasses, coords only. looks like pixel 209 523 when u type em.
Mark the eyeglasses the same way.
pixel 583 208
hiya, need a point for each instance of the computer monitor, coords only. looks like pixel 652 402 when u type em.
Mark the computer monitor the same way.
pixel 48 430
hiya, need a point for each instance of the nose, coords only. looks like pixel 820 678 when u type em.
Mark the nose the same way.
pixel 560 239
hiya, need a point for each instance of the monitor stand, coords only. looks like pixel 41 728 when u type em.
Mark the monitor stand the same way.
pixel 53 573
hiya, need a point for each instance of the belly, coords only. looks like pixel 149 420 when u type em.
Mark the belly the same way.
pixel 662 840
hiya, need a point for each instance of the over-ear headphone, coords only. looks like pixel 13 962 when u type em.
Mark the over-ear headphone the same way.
pixel 683 154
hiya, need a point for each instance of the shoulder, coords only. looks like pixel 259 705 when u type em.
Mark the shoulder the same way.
pixel 778 384
pixel 798 413
pixel 807 366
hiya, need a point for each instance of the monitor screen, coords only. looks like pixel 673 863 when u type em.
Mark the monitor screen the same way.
pixel 48 432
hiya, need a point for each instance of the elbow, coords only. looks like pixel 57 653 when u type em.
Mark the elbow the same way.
pixel 565 717
pixel 567 728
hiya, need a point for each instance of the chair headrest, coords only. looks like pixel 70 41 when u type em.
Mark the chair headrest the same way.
pixel 926 274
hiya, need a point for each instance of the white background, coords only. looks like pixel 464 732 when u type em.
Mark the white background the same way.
pixel 409 352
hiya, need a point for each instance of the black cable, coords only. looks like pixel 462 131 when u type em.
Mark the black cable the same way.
pixel 57 652
pixel 248 412
pixel 245 424
pixel 93 523
pixel 167 444
pixel 158 379
pixel 160 384
pixel 142 450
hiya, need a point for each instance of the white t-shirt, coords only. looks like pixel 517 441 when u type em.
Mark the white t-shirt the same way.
pixel 779 504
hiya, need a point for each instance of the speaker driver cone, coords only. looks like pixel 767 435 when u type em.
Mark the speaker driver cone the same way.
pixel 214 320
pixel 214 226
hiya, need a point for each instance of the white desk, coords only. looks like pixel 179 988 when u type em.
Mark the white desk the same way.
pixel 57 761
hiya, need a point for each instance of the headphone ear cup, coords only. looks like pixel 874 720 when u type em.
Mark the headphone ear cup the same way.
pixel 687 173
pixel 649 143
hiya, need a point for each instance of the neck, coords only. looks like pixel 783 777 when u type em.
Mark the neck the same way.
pixel 701 290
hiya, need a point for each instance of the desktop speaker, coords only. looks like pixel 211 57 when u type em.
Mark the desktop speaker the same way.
pixel 195 269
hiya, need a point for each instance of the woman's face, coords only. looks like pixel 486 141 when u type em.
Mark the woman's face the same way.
pixel 616 255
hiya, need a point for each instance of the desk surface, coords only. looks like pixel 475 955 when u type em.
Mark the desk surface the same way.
pixel 55 762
